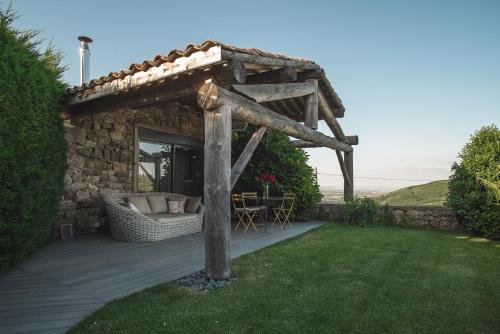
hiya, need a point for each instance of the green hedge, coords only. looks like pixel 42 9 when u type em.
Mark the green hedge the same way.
pixel 32 150
pixel 474 187
pixel 276 155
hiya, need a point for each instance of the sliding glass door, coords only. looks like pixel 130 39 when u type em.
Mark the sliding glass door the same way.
pixel 168 163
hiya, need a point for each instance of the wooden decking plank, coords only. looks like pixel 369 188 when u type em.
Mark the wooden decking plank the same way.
pixel 68 280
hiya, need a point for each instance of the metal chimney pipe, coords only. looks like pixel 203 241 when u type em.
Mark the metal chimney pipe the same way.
pixel 84 59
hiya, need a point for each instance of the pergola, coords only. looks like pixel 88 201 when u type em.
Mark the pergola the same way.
pixel 230 86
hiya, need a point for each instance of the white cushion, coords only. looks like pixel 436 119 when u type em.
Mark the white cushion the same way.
pixel 141 203
pixel 166 218
pixel 132 207
pixel 176 206
pixel 157 203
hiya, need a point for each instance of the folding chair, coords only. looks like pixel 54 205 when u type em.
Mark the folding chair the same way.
pixel 283 212
pixel 252 201
pixel 245 215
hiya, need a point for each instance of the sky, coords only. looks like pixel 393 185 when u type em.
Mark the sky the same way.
pixel 417 78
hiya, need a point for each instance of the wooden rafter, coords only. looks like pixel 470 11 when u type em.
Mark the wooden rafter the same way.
pixel 268 61
pixel 282 75
pixel 272 92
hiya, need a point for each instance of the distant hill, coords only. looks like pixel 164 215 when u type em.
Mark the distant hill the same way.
pixel 433 193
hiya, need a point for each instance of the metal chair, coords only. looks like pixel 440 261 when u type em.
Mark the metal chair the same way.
pixel 283 212
pixel 244 214
pixel 253 201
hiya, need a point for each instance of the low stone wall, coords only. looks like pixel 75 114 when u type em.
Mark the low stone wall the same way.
pixel 427 216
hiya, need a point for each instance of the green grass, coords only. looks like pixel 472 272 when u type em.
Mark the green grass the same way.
pixel 335 279
pixel 433 193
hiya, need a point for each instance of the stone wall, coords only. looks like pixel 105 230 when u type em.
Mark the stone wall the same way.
pixel 428 216
pixel 100 155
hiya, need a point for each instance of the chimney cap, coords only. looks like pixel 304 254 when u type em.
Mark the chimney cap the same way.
pixel 85 39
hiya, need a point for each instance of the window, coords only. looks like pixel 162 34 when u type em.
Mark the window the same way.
pixel 169 163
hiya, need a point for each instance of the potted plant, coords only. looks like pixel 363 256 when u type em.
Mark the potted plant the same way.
pixel 266 179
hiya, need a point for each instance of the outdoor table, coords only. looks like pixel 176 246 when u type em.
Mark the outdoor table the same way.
pixel 267 201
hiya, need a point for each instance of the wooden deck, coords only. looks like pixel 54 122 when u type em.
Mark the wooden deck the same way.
pixel 67 280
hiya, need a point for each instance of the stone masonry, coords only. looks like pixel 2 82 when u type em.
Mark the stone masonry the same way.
pixel 427 216
pixel 100 155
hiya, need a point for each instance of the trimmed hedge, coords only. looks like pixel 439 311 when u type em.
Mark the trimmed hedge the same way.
pixel 32 149
pixel 276 155
pixel 474 187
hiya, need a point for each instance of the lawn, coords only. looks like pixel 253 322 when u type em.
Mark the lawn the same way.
pixel 335 279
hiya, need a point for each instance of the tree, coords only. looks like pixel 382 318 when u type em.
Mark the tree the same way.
pixel 32 150
pixel 474 187
pixel 276 155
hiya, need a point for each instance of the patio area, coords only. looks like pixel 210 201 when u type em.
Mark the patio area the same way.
pixel 67 280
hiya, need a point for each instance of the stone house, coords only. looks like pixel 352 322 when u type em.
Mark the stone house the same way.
pixel 144 128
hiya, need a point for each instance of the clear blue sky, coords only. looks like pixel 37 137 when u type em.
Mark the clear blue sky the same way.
pixel 417 77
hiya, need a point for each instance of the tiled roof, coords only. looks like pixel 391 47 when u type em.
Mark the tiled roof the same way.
pixel 172 56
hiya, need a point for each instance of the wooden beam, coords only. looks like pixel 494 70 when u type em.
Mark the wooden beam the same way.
pixel 272 92
pixel 351 140
pixel 234 72
pixel 217 192
pixel 343 169
pixel 325 108
pixel 349 182
pixel 311 106
pixel 282 75
pixel 246 155
pixel 268 61
pixel 333 124
pixel 169 89
pixel 334 101
pixel 211 96
pixel 329 117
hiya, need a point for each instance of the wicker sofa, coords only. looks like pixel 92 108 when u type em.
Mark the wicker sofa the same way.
pixel 129 225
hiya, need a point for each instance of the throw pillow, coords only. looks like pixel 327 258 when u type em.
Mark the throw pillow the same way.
pixel 158 204
pixel 132 207
pixel 192 204
pixel 141 203
pixel 176 206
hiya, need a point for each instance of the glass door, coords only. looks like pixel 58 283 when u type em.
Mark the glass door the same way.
pixel 167 167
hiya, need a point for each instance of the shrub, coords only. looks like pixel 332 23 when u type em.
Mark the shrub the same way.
pixel 475 182
pixel 31 142
pixel 276 155
pixel 388 217
pixel 361 211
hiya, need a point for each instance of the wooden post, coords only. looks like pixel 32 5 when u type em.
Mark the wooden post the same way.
pixel 218 192
pixel 246 155
pixel 311 107
pixel 348 183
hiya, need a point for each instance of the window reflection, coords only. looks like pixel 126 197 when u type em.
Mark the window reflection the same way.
pixel 165 167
